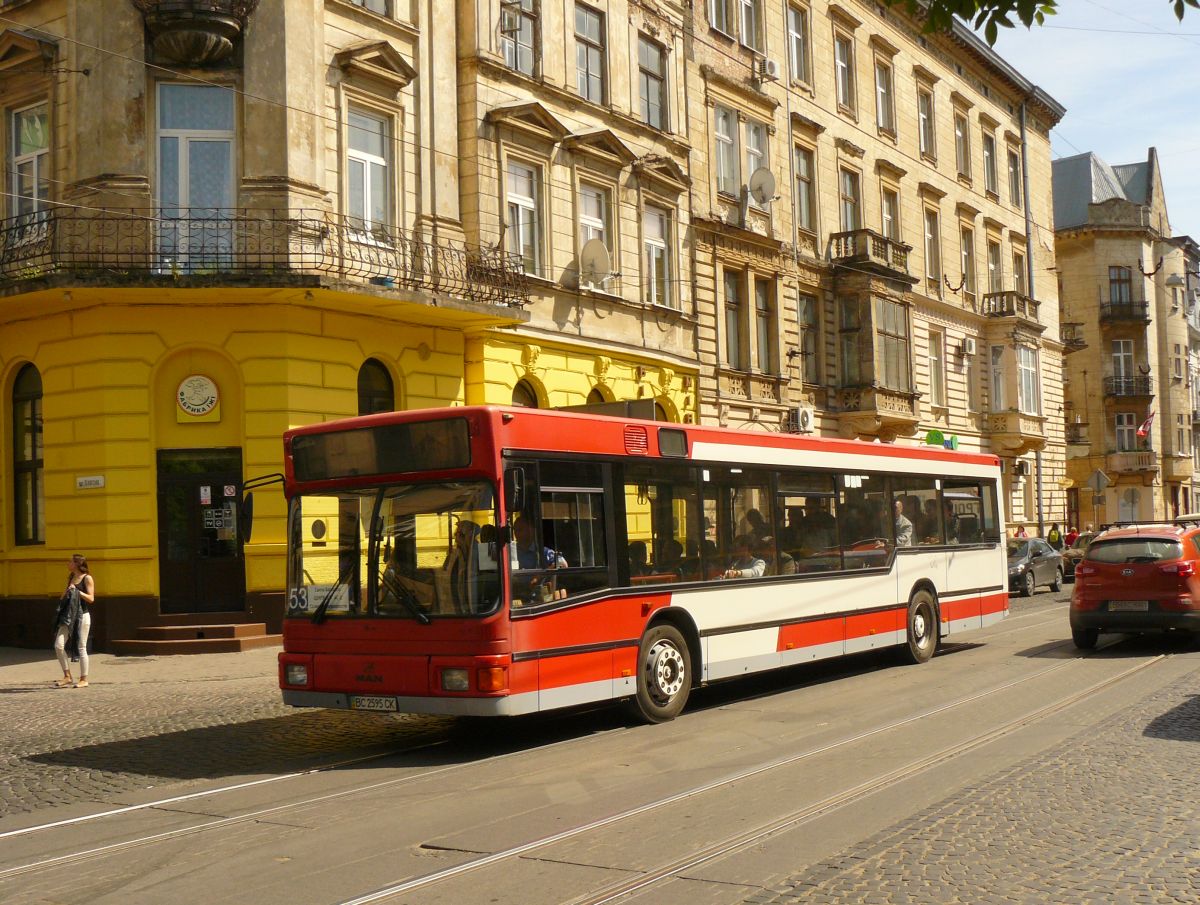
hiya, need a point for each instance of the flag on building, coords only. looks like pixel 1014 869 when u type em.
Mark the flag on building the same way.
pixel 1144 430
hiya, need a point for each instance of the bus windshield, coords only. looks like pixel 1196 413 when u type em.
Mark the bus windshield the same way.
pixel 416 551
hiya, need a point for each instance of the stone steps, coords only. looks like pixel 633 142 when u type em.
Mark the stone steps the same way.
pixel 165 640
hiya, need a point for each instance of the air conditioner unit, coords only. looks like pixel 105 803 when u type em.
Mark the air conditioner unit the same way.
pixel 801 420
pixel 968 346
pixel 768 70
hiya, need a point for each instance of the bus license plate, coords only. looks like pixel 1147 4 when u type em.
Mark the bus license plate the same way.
pixel 1133 606
pixel 368 702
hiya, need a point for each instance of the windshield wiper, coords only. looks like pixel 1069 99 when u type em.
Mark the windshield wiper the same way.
pixel 405 596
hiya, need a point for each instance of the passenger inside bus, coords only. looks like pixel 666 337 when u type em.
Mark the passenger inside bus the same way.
pixel 639 560
pixel 529 553
pixel 746 563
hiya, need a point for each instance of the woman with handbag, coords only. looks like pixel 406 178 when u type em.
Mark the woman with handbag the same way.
pixel 74 621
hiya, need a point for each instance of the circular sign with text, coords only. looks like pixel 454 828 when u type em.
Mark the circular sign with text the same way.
pixel 197 394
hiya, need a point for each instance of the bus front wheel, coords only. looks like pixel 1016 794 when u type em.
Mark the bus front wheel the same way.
pixel 922 626
pixel 664 676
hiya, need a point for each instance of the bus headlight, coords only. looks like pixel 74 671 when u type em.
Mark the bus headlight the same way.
pixel 456 680
pixel 296 674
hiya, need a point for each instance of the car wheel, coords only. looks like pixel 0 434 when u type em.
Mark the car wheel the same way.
pixel 664 675
pixel 1085 638
pixel 922 627
pixel 1028 584
pixel 1058 581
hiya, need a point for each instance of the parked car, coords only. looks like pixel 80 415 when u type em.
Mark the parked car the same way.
pixel 1073 555
pixel 1137 579
pixel 1033 562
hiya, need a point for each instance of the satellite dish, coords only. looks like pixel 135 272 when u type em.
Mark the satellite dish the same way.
pixel 595 263
pixel 762 185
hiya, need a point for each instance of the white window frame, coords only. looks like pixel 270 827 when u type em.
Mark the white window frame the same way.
pixel 598 47
pixel 889 207
pixel 926 122
pixel 524 211
pixel 595 224
pixel 726 156
pixel 764 324
pixel 962 143
pixel 971 376
pixel 936 357
pixel 991 173
pixel 22 203
pixel 657 256
pixel 806 189
pixel 885 96
pixel 995 261
pixel 843 72
pixel 379 7
pixel 734 318
pixel 1125 425
pixel 720 16
pixel 750 23
pixel 1014 178
pixel 933 249
pixel 797 42
pixel 849 199
pixel 1019 274
pixel 1029 395
pixel 369 162
pixel 649 81
pixel 1122 358
pixel 997 378
pixel 756 152
pixel 810 335
pixel 526 14
pixel 967 241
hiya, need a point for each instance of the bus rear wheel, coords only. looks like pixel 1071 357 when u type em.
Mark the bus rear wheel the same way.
pixel 664 677
pixel 922 627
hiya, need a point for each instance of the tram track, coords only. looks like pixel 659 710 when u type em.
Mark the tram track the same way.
pixel 742 840
pixel 217 824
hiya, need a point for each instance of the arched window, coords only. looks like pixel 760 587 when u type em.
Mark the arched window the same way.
pixel 524 395
pixel 595 397
pixel 375 390
pixel 30 520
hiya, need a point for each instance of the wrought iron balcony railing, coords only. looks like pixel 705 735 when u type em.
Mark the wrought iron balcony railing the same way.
pixel 1125 311
pixel 1128 386
pixel 240 243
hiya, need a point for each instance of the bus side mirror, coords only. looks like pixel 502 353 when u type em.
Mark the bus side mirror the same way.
pixel 514 489
pixel 246 518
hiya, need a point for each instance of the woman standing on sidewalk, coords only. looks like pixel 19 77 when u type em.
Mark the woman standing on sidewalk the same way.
pixel 79 580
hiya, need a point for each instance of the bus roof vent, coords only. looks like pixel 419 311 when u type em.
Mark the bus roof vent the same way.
pixel 637 440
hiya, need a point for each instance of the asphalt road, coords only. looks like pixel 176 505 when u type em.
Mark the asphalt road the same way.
pixel 1011 768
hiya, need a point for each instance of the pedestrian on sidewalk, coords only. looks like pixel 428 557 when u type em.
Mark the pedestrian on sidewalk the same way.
pixel 74 621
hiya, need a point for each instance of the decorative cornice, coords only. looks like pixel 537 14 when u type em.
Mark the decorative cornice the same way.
pixel 886 166
pixel 929 190
pixel 800 121
pixel 377 62
pixel 849 148
pixel 921 74
pixel 883 45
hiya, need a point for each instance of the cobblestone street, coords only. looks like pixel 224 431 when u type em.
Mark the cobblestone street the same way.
pixel 145 722
pixel 1111 815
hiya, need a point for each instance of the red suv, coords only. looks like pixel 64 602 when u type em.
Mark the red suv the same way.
pixel 1137 578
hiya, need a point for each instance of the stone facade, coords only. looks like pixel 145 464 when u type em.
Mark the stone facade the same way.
pixel 1128 291
pixel 342 206
pixel 901 279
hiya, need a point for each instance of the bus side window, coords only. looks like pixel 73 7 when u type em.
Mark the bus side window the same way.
pixel 661 517
pixel 922 507
pixel 962 504
pixel 573 546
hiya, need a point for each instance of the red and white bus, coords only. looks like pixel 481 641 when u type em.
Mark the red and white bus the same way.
pixel 491 561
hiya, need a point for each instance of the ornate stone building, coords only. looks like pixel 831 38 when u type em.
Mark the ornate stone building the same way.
pixel 1129 292
pixel 897 279
pixel 229 217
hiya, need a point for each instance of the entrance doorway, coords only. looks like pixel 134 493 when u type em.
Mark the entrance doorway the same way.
pixel 201 569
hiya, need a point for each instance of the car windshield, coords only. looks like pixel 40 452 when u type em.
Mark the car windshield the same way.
pixel 412 552
pixel 1081 542
pixel 1017 548
pixel 1134 550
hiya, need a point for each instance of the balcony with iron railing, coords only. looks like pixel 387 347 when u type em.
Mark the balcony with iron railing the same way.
pixel 1130 462
pixel 1010 303
pixel 1124 311
pixel 867 247
pixel 1128 386
pixel 249 247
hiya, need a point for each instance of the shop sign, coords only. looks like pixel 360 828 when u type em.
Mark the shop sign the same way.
pixel 197 396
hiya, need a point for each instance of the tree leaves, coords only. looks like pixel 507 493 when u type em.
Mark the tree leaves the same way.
pixel 989 16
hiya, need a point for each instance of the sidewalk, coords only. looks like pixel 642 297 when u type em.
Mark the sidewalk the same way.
pixel 25 667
